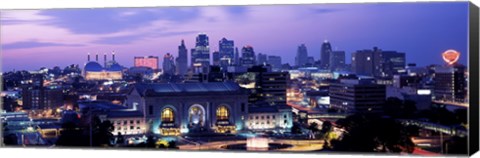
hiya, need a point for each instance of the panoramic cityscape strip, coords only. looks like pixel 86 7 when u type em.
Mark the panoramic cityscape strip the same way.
pixel 231 97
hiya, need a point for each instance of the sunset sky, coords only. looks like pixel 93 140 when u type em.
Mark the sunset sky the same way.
pixel 31 39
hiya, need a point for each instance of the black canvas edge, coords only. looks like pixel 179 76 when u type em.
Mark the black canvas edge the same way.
pixel 473 52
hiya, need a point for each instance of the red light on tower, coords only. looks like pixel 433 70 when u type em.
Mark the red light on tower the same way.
pixel 450 56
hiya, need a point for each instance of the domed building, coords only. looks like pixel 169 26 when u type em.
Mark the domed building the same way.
pixel 94 71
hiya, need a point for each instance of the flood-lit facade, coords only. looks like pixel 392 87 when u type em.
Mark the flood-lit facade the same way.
pixel 172 109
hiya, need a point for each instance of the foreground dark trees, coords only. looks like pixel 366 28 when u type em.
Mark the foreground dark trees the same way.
pixel 373 133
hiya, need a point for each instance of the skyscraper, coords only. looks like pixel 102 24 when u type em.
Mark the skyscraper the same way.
pixel 236 57
pixel 325 52
pixel 302 56
pixel 182 59
pixel 201 54
pixel 337 61
pixel 226 51
pixel 261 59
pixel 216 58
pixel 275 62
pixel 248 56
pixel 378 63
pixel 168 64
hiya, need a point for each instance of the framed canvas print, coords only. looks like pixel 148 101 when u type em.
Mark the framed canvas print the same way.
pixel 319 79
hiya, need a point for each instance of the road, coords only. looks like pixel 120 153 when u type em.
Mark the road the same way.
pixel 297 145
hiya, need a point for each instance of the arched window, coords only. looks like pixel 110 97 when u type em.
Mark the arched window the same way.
pixel 167 115
pixel 222 113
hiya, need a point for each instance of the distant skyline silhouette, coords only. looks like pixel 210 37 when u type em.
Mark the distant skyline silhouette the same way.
pixel 31 39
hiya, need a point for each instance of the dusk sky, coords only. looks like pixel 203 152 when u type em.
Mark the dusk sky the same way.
pixel 31 39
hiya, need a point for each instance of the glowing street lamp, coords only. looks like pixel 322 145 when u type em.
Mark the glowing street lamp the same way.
pixel 450 56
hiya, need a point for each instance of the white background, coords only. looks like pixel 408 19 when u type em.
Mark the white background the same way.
pixel 73 153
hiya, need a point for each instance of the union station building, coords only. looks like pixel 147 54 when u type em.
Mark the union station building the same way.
pixel 177 108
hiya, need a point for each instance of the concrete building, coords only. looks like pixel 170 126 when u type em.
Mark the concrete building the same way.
pixel 94 71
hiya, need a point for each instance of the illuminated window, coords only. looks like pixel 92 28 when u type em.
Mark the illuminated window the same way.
pixel 167 115
pixel 222 113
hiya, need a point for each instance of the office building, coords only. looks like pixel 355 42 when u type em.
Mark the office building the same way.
pixel 450 83
pixel 201 54
pixel 168 64
pixel 226 52
pixel 182 59
pixel 302 56
pixel 357 95
pixel 248 57
pixel 148 61
pixel 325 52
pixel 337 61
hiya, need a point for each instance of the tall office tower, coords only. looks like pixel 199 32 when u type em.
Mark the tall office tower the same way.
pixel 261 59
pixel 168 64
pixel 227 54
pixel 248 57
pixel 149 61
pixel 275 62
pixel 337 61
pixel 450 83
pixel 378 63
pixel 216 58
pixel 325 52
pixel 270 87
pixel 302 56
pixel 236 58
pixel 357 95
pixel 201 54
pixel 182 59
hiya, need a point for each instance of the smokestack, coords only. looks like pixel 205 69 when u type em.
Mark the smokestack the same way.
pixel 96 57
pixel 104 59
pixel 88 57
pixel 113 55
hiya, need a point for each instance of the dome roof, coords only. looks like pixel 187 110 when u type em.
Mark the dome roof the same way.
pixel 115 67
pixel 93 66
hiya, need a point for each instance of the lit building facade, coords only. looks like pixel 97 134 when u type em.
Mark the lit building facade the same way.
pixel 226 52
pixel 269 118
pixel 172 109
pixel 94 71
pixel 450 83
pixel 201 54
pixel 148 61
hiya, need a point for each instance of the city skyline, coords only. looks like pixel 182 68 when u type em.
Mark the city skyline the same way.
pixel 67 35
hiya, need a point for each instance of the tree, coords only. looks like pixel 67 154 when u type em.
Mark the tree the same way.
pixel 72 135
pixel 102 132
pixel 373 133
pixel 313 127
pixel 296 128
pixel 120 139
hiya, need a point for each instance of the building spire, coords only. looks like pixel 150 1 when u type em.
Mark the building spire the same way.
pixel 88 56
